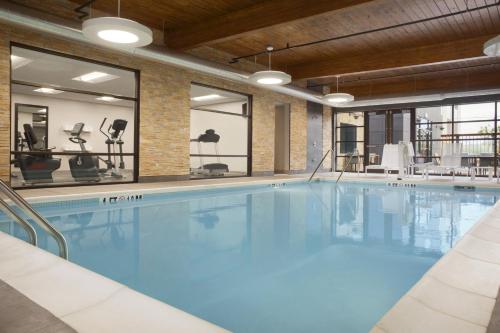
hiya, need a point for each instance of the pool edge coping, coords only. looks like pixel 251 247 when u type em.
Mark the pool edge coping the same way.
pixel 51 284
pixel 427 313
pixel 297 179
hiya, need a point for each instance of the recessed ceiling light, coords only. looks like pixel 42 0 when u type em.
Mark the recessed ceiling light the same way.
pixel 117 30
pixel 48 91
pixel 18 61
pixel 42 111
pixel 206 97
pixel 108 99
pixel 492 47
pixel 95 77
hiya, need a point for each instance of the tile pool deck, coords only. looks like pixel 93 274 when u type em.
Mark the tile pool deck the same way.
pixel 457 294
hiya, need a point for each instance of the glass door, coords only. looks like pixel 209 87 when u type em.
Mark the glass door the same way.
pixel 376 130
pixel 383 127
pixel 401 126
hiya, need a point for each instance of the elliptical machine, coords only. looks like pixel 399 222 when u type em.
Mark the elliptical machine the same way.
pixel 113 137
pixel 82 167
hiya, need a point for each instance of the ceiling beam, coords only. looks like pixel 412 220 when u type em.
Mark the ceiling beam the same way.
pixel 397 58
pixel 445 82
pixel 258 16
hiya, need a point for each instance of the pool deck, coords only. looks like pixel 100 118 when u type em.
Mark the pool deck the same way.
pixel 457 294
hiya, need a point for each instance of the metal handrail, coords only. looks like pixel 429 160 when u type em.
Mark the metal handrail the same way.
pixel 39 219
pixel 26 226
pixel 355 152
pixel 320 163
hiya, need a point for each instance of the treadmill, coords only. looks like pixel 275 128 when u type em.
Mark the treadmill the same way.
pixel 210 169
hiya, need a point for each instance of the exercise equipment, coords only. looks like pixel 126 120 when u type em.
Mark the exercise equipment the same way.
pixel 212 169
pixel 36 167
pixel 82 167
pixel 113 137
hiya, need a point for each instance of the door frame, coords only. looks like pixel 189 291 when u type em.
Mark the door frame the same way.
pixel 389 122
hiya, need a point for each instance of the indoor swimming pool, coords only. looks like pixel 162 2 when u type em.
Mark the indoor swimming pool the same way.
pixel 297 257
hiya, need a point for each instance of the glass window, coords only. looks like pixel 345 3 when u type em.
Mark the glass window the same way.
pixel 350 133
pixel 350 136
pixel 350 119
pixel 430 131
pixel 346 148
pixel 475 129
pixel 472 125
pixel 73 120
pixel 474 112
pixel 355 164
pixel 219 133
pixel 427 151
pixel 434 114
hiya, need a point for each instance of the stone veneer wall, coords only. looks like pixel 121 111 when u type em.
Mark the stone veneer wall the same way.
pixel 164 109
pixel 327 132
pixel 327 136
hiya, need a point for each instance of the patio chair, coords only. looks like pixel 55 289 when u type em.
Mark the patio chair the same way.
pixel 407 157
pixel 451 160
pixel 390 160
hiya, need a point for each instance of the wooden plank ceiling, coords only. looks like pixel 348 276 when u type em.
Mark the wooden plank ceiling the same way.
pixel 243 27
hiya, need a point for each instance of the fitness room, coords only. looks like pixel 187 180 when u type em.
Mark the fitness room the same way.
pixel 73 120
pixel 220 123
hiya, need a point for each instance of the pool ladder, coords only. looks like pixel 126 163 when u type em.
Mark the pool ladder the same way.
pixel 354 153
pixel 331 150
pixel 34 215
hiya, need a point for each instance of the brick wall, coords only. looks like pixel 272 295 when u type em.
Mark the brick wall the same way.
pixel 164 109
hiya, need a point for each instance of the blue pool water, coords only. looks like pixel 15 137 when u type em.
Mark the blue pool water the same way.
pixel 317 258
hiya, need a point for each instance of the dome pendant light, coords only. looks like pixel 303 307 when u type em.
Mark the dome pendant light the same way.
pixel 337 97
pixel 117 31
pixel 270 77
pixel 492 47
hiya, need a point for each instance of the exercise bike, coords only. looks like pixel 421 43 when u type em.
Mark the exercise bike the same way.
pixel 82 167
pixel 38 166
pixel 113 137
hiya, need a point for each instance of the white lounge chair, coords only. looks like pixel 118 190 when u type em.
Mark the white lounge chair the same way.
pixel 406 159
pixel 451 160
pixel 390 160
pixel 413 166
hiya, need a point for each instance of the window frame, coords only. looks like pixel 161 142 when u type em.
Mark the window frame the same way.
pixel 248 116
pixel 136 117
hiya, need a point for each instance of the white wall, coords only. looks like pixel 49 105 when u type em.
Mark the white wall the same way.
pixel 233 131
pixel 65 113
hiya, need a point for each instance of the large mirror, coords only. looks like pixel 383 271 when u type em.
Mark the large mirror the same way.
pixel 34 117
